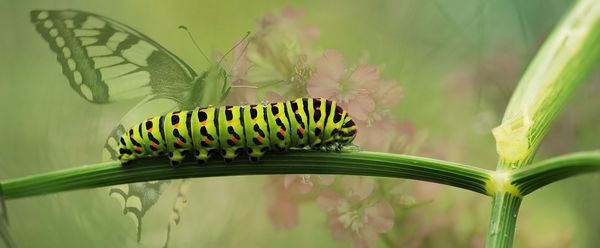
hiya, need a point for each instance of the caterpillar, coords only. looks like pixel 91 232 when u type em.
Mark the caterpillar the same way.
pixel 258 128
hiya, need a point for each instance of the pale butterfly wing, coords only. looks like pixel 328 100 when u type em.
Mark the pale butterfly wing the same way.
pixel 137 198
pixel 105 60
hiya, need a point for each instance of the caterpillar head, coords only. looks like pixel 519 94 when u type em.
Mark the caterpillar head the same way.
pixel 348 131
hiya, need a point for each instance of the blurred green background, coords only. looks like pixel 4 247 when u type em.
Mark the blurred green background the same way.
pixel 457 62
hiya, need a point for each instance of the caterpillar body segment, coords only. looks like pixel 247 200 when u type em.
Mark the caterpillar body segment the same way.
pixel 279 126
pixel 297 112
pixel 178 135
pixel 316 122
pixel 205 135
pixel 256 129
pixel 232 130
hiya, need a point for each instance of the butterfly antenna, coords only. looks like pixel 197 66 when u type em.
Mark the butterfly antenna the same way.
pixel 234 46
pixel 194 41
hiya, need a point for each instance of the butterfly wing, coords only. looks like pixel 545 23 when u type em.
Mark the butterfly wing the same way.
pixel 106 61
pixel 137 198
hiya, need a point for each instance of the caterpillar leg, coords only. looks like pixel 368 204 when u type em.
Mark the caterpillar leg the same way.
pixel 330 147
pixel 202 156
pixel 255 153
pixel 229 154
pixel 280 147
pixel 125 159
pixel 176 157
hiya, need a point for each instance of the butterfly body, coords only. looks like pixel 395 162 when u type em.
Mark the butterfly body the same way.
pixel 232 130
pixel 211 87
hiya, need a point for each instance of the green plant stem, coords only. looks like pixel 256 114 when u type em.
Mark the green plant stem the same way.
pixel 503 221
pixel 294 162
pixel 546 172
pixel 564 61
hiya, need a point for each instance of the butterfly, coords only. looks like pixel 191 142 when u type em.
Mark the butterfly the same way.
pixel 106 61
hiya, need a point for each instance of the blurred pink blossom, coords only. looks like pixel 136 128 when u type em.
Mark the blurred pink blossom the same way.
pixel 288 192
pixel 280 52
pixel 283 211
pixel 388 94
pixel 353 89
pixel 282 207
pixel 353 216
pixel 237 68
pixel 305 183
pixel 386 135
pixel 288 19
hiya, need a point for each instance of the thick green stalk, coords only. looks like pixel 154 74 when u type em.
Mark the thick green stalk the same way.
pixel 503 221
pixel 563 62
pixel 294 162
pixel 546 172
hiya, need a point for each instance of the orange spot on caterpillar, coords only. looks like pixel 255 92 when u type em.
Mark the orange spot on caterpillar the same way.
pixel 297 111
pixel 234 139
pixel 278 115
pixel 260 138
pixel 150 130
pixel 138 148
pixel 154 145
pixel 179 142
pixel 206 140
pixel 176 126
pixel 301 129
pixel 318 108
pixel 203 123
pixel 281 131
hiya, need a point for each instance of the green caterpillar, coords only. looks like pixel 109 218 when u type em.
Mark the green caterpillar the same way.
pixel 313 122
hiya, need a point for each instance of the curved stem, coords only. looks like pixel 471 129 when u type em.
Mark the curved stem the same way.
pixel 294 162
pixel 563 63
pixel 546 172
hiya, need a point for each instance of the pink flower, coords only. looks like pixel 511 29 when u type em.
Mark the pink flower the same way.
pixel 279 52
pixel 305 183
pixel 288 192
pixel 386 135
pixel 353 89
pixel 283 211
pixel 388 94
pixel 282 207
pixel 289 19
pixel 237 68
pixel 355 217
